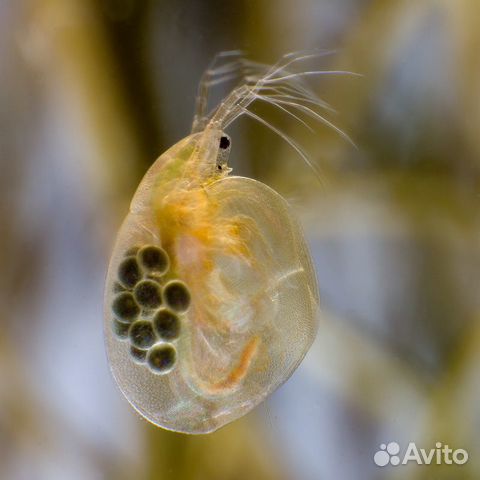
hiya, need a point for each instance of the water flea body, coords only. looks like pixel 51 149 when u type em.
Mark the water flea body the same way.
pixel 211 274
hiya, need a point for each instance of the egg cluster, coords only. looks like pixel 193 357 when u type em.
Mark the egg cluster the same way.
pixel 147 308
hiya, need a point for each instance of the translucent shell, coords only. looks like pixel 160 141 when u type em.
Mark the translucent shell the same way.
pixel 203 325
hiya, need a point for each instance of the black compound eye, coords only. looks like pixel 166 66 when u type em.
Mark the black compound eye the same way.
pixel 148 294
pixel 153 259
pixel 177 296
pixel 125 307
pixel 120 329
pixel 129 272
pixel 166 325
pixel 138 354
pixel 141 334
pixel 162 358
pixel 224 142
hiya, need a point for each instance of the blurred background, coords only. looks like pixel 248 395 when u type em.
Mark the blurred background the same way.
pixel 91 92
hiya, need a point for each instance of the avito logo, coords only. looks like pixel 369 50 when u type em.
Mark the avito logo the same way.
pixel 442 454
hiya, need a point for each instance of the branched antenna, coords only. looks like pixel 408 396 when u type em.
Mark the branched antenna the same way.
pixel 275 85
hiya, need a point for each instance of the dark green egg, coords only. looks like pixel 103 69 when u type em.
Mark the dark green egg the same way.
pixel 177 296
pixel 141 334
pixel 129 272
pixel 125 307
pixel 161 358
pixel 148 294
pixel 166 324
pixel 153 259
